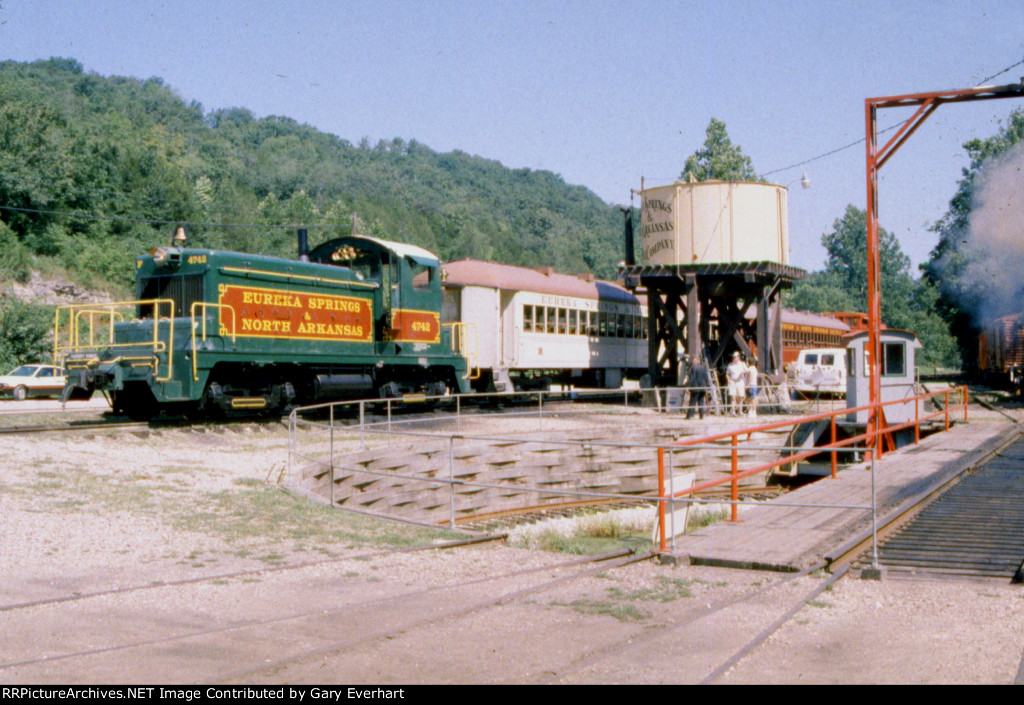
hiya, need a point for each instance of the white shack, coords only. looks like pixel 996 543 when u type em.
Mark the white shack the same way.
pixel 899 374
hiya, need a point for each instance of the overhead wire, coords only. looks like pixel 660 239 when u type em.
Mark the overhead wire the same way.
pixel 149 221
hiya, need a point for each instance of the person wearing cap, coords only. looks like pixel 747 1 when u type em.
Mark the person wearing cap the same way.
pixel 736 375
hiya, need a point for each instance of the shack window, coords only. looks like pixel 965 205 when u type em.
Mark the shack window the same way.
pixel 894 363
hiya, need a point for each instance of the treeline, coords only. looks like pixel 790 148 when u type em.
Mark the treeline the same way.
pixel 94 170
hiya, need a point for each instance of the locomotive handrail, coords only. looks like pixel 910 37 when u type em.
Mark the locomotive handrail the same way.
pixel 247 273
pixel 832 448
pixel 192 326
pixel 76 314
pixel 460 344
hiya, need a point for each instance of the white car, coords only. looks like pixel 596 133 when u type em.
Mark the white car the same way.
pixel 32 381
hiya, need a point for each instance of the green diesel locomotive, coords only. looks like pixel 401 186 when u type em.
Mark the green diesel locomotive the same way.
pixel 214 331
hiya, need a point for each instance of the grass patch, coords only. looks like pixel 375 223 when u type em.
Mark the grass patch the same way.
pixel 666 590
pixel 247 517
pixel 621 612
pixel 820 604
pixel 247 482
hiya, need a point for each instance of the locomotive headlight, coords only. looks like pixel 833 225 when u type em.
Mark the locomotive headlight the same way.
pixel 159 255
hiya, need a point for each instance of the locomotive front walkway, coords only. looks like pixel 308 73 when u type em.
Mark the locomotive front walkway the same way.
pixel 793 538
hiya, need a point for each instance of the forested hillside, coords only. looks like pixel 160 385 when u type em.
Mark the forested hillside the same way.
pixel 94 170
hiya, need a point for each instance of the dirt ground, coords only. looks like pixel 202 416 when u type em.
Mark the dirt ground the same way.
pixel 196 522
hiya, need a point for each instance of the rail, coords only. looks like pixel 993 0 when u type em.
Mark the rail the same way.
pixel 872 439
pixel 68 338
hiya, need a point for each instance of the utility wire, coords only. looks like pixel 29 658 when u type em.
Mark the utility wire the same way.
pixel 93 216
pixel 887 129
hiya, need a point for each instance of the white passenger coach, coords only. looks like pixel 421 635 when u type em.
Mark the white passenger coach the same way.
pixel 531 328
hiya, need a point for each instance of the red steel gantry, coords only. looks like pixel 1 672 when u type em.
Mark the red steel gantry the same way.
pixel 927 104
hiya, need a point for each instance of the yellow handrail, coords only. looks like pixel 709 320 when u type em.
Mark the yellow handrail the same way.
pixel 205 305
pixel 78 313
pixel 460 344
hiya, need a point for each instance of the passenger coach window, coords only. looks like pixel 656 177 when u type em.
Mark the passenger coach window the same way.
pixel 527 319
pixel 572 322
pixel 561 321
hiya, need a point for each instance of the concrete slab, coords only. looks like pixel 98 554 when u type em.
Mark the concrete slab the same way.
pixel 776 536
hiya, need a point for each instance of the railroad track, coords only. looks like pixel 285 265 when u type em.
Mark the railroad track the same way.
pixel 975 529
pixel 292 636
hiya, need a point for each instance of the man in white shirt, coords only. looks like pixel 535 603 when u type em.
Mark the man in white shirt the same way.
pixel 736 375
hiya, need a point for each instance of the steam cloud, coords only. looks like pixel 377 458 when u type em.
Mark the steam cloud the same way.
pixel 995 236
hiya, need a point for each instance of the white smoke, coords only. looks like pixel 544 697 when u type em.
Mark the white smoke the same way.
pixel 995 237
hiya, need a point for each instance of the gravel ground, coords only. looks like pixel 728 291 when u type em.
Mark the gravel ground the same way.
pixel 81 514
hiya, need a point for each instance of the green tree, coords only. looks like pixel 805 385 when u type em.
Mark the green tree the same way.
pixel 847 247
pixel 906 303
pixel 719 159
pixel 27 329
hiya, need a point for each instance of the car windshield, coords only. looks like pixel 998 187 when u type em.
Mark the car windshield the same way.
pixel 24 371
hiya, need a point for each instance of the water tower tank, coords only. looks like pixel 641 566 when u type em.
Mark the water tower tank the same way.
pixel 714 221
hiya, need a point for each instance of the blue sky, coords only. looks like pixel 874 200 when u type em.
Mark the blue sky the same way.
pixel 601 92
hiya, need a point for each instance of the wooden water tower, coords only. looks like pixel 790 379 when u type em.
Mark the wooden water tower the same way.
pixel 714 263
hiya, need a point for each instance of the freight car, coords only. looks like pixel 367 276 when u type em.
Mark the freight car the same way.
pixel 214 331
pixel 1001 351
pixel 530 328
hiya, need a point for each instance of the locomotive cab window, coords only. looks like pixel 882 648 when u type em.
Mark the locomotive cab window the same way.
pixel 423 276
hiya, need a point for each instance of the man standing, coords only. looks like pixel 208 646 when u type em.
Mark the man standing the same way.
pixel 752 388
pixel 698 383
pixel 736 375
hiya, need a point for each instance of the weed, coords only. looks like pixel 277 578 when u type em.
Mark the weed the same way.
pixel 698 520
pixel 666 590
pixel 623 613
pixel 819 604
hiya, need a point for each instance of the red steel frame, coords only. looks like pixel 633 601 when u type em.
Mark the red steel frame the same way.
pixel 927 103
pixel 869 438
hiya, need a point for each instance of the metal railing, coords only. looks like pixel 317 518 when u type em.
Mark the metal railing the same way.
pixel 871 439
pixel 69 338
pixel 539 405
pixel 205 306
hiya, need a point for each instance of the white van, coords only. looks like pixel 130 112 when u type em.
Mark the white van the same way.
pixel 820 371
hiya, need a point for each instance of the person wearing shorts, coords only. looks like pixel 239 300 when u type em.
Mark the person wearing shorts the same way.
pixel 736 376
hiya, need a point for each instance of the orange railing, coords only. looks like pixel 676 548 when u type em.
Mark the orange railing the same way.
pixel 873 440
